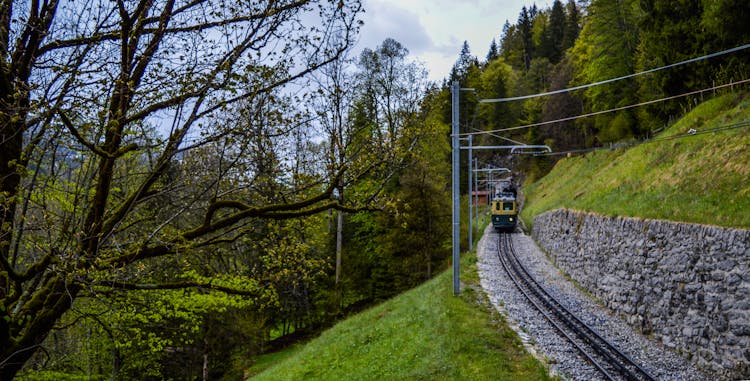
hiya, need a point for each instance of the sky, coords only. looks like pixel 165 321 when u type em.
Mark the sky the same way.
pixel 434 30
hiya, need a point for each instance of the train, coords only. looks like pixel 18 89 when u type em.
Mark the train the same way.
pixel 505 208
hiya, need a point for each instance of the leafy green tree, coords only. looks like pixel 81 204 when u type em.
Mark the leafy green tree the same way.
pixel 495 82
pixel 606 49
pixel 668 34
pixel 287 262
pixel 336 90
pixel 562 135
pixel 413 246
pixel 86 89
pixel 387 109
pixel 511 46
pixel 388 102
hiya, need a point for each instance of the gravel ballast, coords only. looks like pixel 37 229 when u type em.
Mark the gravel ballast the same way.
pixel 542 339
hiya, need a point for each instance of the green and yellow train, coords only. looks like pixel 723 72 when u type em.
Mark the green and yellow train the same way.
pixel 505 210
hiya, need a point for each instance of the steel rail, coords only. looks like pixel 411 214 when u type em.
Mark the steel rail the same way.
pixel 623 364
pixel 517 280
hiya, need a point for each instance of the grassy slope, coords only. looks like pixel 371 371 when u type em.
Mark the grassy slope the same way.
pixel 423 334
pixel 702 178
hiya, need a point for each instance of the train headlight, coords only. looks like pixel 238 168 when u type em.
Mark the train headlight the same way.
pixel 510 219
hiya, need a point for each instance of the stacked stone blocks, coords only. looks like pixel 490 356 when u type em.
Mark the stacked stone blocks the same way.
pixel 687 285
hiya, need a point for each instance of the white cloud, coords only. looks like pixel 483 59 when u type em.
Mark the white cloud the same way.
pixel 434 30
pixel 383 20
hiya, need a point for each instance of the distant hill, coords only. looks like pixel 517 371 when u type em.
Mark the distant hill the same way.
pixel 695 171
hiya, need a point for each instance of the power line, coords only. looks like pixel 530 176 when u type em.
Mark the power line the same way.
pixel 732 50
pixel 478 131
pixel 687 134
pixel 608 111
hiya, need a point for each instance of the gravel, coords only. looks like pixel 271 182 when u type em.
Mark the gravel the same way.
pixel 544 341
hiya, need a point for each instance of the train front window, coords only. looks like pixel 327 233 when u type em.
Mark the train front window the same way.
pixel 507 206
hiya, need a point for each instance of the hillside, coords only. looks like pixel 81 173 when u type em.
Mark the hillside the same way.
pixel 696 176
pixel 425 333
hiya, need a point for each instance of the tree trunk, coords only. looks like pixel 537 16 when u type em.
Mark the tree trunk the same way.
pixel 51 301
pixel 10 155
pixel 339 229
pixel 428 256
pixel 205 360
pixel 116 363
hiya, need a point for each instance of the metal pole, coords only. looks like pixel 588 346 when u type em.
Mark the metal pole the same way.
pixel 488 185
pixel 476 189
pixel 475 196
pixel 456 206
pixel 471 242
pixel 492 184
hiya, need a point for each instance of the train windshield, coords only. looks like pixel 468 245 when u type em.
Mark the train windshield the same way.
pixel 507 206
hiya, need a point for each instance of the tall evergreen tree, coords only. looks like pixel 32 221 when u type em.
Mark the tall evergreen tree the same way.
pixel 533 11
pixel 465 61
pixel 511 46
pixel 506 31
pixel 492 54
pixel 556 32
pixel 572 24
pixel 524 27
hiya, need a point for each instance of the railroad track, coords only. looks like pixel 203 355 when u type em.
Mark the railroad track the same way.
pixel 603 355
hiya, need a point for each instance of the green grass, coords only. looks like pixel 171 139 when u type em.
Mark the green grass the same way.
pixel 701 178
pixel 423 334
pixel 269 360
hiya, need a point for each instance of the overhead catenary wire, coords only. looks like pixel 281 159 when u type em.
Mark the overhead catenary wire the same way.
pixel 717 87
pixel 692 132
pixel 474 122
pixel 687 134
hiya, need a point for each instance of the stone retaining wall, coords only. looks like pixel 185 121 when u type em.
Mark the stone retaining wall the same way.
pixel 687 285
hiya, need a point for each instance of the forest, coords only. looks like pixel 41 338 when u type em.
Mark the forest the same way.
pixel 189 184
